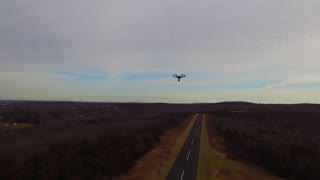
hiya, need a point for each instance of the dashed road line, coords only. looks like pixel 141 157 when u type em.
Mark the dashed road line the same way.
pixel 188 154
pixel 182 175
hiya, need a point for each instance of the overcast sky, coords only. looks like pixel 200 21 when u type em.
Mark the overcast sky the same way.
pixel 264 51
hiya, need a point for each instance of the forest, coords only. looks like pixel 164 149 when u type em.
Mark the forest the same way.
pixel 78 140
pixel 283 138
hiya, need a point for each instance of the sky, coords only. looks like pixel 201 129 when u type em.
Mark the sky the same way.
pixel 262 51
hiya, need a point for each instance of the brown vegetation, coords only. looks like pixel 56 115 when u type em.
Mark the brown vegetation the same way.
pixel 65 140
pixel 80 140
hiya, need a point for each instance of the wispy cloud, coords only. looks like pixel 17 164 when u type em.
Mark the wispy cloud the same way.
pixel 242 85
pixel 303 81
pixel 82 76
pixel 144 76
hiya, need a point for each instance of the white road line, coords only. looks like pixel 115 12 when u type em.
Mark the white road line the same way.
pixel 192 140
pixel 182 175
pixel 188 154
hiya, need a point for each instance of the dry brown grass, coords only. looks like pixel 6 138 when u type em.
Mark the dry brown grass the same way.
pixel 156 163
pixel 7 126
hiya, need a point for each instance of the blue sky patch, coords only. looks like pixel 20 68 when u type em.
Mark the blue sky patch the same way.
pixel 304 85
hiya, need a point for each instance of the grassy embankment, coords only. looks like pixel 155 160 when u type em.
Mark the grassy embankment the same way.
pixel 215 165
pixel 157 163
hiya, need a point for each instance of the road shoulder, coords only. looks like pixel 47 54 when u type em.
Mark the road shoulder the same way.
pixel 213 164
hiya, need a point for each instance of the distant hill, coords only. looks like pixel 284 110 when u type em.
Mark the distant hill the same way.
pixel 235 103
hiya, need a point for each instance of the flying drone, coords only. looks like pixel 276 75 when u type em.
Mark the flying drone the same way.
pixel 179 77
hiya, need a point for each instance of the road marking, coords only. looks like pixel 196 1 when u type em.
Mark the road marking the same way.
pixel 188 154
pixel 182 175
pixel 192 140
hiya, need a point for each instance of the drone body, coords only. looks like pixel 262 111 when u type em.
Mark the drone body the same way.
pixel 179 77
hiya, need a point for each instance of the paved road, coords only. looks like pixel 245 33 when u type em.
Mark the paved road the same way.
pixel 185 166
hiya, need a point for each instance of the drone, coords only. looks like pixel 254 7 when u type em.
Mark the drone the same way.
pixel 179 77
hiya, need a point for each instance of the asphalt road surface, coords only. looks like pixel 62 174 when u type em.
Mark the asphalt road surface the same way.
pixel 185 166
